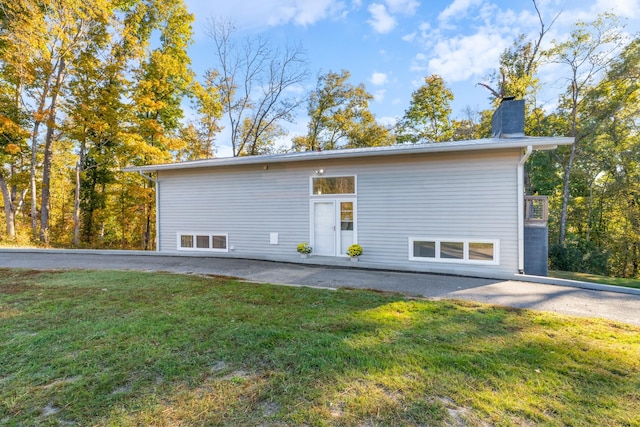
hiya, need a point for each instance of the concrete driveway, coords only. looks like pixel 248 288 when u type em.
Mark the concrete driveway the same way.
pixel 575 298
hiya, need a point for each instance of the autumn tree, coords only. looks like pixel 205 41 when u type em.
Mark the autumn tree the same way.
pixel 604 210
pixel 14 152
pixel 14 122
pixel 40 39
pixel 200 134
pixel 94 111
pixel 159 85
pixel 339 117
pixel 257 83
pixel 587 53
pixel 427 118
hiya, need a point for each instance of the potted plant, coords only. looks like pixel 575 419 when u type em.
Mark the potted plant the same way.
pixel 354 251
pixel 305 249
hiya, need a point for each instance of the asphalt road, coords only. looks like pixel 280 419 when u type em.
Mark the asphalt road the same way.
pixel 617 306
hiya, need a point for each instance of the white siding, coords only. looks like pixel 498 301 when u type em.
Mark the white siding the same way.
pixel 247 203
pixel 455 195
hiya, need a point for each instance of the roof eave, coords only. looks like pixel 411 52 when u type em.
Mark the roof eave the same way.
pixel 537 143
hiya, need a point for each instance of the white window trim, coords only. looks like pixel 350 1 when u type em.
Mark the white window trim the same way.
pixel 194 249
pixel 465 260
pixel 334 195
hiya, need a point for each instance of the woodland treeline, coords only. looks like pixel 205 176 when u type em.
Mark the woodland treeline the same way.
pixel 88 88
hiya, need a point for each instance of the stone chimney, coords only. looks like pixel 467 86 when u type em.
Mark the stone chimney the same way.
pixel 508 120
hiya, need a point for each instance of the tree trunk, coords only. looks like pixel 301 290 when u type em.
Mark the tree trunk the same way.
pixel 9 208
pixel 48 156
pixel 76 207
pixel 565 195
pixel 32 180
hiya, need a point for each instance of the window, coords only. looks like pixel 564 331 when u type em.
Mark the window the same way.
pixel 454 250
pixel 481 251
pixel 186 241
pixel 424 249
pixel 333 185
pixel 202 242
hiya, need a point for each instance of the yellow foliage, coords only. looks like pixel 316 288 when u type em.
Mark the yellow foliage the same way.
pixel 12 149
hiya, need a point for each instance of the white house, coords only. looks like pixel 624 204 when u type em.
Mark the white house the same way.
pixel 452 207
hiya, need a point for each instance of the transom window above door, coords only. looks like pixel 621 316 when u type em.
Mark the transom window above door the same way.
pixel 322 185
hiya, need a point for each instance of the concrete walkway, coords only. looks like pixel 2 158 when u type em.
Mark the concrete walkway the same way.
pixel 561 296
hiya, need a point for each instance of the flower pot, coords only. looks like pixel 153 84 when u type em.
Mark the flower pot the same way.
pixel 304 255
pixel 354 259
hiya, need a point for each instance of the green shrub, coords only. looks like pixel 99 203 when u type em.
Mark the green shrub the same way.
pixel 579 256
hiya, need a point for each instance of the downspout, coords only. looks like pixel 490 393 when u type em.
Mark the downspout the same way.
pixel 157 183
pixel 520 178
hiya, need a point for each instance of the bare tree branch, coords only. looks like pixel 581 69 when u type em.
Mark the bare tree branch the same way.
pixel 256 84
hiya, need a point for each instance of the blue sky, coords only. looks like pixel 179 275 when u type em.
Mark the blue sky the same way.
pixel 391 45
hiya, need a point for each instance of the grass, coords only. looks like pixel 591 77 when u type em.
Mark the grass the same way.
pixel 129 349
pixel 594 278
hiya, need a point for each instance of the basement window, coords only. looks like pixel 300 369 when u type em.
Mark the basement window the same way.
pixel 466 251
pixel 215 242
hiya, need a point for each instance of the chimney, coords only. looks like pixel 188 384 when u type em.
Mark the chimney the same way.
pixel 508 119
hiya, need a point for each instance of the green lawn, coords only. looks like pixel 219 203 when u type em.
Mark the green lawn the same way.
pixel 594 278
pixel 137 349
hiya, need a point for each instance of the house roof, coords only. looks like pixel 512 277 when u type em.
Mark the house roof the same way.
pixel 536 143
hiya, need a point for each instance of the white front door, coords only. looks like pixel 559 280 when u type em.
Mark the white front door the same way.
pixel 324 228
pixel 333 226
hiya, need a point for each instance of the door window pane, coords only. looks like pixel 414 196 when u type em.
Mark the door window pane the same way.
pixel 346 215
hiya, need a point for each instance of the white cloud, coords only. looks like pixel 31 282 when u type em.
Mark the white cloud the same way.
pixel 387 121
pixel 256 13
pixel 458 9
pixel 378 95
pixel 380 20
pixel 405 7
pixel 302 12
pixel 419 63
pixel 378 79
pixel 622 8
pixel 463 57
pixel 410 37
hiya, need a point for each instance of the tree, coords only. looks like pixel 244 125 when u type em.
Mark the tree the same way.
pixel 589 50
pixel 468 127
pixel 265 143
pixel 340 117
pixel 40 39
pixel 94 111
pixel 200 135
pixel 612 205
pixel 13 150
pixel 427 118
pixel 254 81
pixel 14 122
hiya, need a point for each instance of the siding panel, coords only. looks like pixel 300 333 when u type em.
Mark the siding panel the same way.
pixel 448 195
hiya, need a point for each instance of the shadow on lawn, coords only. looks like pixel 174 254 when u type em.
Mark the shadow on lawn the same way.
pixel 203 352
